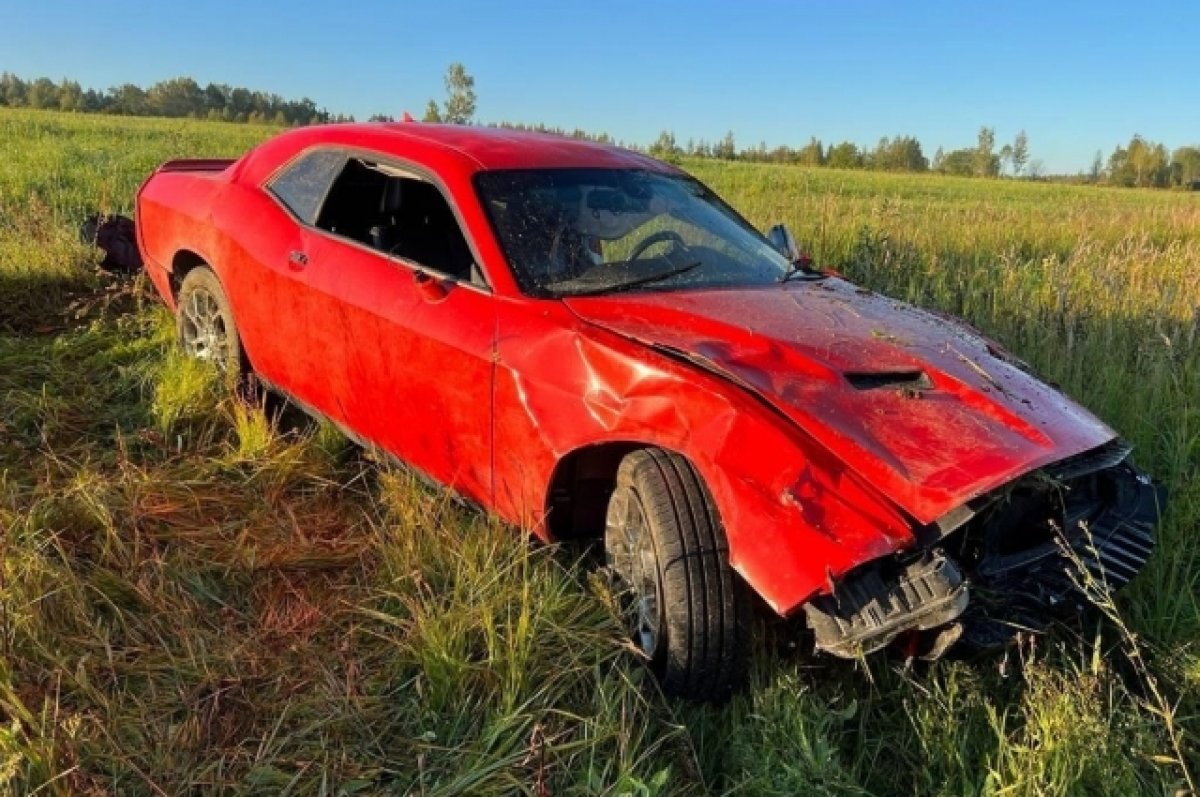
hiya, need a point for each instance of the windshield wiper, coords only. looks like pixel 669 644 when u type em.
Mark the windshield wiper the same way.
pixel 801 268
pixel 633 283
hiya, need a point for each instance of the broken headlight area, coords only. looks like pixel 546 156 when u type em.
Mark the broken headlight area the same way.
pixel 1036 550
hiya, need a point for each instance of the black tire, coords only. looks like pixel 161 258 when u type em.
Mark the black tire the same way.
pixel 206 327
pixel 661 515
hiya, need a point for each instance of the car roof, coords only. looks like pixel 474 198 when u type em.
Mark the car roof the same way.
pixel 484 147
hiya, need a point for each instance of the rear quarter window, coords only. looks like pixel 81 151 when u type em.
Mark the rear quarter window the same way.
pixel 302 185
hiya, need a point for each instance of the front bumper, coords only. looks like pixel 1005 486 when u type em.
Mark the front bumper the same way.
pixel 1043 546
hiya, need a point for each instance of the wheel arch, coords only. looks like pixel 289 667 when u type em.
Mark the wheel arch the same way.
pixel 580 485
pixel 182 262
pixel 584 478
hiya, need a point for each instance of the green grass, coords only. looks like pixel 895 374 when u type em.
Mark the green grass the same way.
pixel 194 600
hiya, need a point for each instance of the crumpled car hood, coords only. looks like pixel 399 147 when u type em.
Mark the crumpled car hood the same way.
pixel 921 406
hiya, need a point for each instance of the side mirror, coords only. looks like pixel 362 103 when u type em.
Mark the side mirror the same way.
pixel 784 242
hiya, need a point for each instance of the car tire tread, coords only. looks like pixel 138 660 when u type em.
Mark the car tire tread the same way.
pixel 706 610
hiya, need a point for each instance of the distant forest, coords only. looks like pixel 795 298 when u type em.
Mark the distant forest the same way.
pixel 1139 163
pixel 177 97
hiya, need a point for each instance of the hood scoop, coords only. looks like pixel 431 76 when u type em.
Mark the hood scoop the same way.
pixel 895 380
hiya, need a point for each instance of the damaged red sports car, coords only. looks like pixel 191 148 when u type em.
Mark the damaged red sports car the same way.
pixel 590 343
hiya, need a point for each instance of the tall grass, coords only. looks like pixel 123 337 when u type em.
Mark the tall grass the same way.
pixel 193 599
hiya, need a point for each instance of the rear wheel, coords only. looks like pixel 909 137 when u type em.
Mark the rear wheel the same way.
pixel 688 612
pixel 207 330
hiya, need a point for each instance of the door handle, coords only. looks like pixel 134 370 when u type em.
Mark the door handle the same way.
pixel 431 288
pixel 297 259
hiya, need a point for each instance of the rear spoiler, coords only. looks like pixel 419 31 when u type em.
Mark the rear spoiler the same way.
pixel 196 165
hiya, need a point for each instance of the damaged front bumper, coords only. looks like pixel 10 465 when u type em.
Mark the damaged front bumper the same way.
pixel 1011 561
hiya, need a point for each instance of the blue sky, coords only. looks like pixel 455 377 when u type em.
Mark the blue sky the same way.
pixel 1076 76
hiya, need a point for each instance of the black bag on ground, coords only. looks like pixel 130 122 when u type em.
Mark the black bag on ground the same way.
pixel 116 237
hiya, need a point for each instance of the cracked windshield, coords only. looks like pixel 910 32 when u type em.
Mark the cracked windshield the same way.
pixel 574 232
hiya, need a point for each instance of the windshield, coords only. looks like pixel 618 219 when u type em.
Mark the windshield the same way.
pixel 573 232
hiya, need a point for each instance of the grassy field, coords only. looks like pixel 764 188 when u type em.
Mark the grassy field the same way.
pixel 192 600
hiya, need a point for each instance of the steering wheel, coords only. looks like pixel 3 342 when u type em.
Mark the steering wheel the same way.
pixel 657 238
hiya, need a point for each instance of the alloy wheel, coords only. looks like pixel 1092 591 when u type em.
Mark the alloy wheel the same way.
pixel 203 332
pixel 632 559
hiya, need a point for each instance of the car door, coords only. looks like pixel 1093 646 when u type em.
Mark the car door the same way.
pixel 285 310
pixel 413 344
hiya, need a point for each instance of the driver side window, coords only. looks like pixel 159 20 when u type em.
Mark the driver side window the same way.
pixel 400 215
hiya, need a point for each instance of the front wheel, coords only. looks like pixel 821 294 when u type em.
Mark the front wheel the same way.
pixel 688 611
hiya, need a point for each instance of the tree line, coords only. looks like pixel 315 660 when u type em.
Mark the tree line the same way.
pixel 1140 163
pixel 901 153
pixel 176 97
pixel 1146 164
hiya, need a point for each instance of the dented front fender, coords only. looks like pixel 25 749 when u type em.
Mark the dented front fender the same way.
pixel 794 516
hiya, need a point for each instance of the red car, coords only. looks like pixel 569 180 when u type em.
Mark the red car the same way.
pixel 590 343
